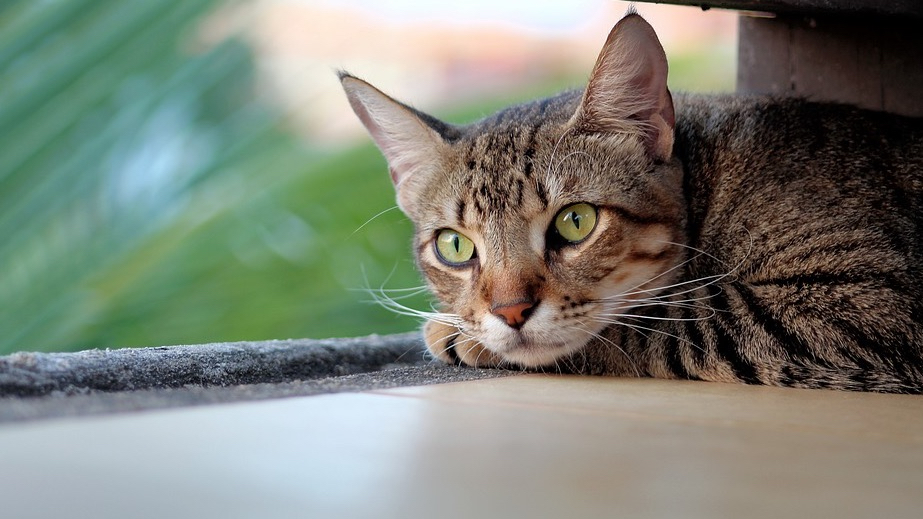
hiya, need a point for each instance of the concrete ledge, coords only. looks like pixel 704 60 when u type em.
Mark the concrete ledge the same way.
pixel 222 364
pixel 60 405
pixel 53 385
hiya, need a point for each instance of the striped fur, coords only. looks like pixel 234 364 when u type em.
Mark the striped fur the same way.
pixel 779 242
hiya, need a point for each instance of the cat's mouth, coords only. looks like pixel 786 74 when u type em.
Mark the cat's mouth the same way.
pixel 541 341
pixel 525 350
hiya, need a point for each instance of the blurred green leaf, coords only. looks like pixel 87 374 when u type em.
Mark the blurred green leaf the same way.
pixel 147 198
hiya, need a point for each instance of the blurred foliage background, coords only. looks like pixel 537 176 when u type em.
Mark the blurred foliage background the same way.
pixel 149 196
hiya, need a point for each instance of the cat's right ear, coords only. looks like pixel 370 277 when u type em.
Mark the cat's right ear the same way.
pixel 627 91
pixel 406 138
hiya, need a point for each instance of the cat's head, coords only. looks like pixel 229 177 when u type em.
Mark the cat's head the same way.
pixel 537 226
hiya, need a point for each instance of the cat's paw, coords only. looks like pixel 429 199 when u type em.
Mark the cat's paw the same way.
pixel 451 346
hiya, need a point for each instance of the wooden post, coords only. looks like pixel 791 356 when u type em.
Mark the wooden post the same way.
pixel 864 52
pixel 874 62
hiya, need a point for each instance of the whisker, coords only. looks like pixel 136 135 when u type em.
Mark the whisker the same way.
pixel 674 304
pixel 699 252
pixel 389 303
pixel 554 166
pixel 711 311
pixel 662 299
pixel 660 295
pixel 452 344
pixel 671 269
pixel 655 330
pixel 702 252
pixel 555 151
pixel 395 294
pixel 370 220
pixel 598 336
pixel 711 280
pixel 655 318
pixel 418 289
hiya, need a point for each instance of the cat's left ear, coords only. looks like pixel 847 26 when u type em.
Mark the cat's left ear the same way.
pixel 412 142
pixel 627 91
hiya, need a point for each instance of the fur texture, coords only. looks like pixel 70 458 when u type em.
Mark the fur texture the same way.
pixel 754 240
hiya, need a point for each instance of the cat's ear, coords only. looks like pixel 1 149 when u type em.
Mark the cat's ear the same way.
pixel 410 141
pixel 627 91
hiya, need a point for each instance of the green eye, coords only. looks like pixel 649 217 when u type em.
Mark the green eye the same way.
pixel 575 222
pixel 453 248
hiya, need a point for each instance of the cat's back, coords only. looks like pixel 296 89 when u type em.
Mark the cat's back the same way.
pixel 797 135
pixel 781 165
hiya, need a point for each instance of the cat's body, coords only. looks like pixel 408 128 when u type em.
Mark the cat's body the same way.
pixel 822 246
pixel 618 230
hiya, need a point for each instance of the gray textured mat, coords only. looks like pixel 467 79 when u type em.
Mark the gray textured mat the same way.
pixel 45 385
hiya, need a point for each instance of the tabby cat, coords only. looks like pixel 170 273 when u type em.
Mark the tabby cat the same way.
pixel 620 230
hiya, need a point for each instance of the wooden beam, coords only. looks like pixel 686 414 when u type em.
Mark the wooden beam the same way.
pixel 904 8
pixel 874 63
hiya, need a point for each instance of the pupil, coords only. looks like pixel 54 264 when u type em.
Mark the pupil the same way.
pixel 456 242
pixel 576 219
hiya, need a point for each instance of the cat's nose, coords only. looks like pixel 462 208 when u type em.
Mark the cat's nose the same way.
pixel 514 315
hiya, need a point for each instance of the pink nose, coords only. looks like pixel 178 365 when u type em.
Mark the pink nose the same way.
pixel 514 315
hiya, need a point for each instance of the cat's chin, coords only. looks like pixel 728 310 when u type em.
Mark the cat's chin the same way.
pixel 536 354
pixel 542 342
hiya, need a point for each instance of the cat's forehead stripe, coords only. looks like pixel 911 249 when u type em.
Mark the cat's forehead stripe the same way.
pixel 460 211
pixel 499 162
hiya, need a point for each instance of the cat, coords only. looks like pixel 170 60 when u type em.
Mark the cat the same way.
pixel 623 230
